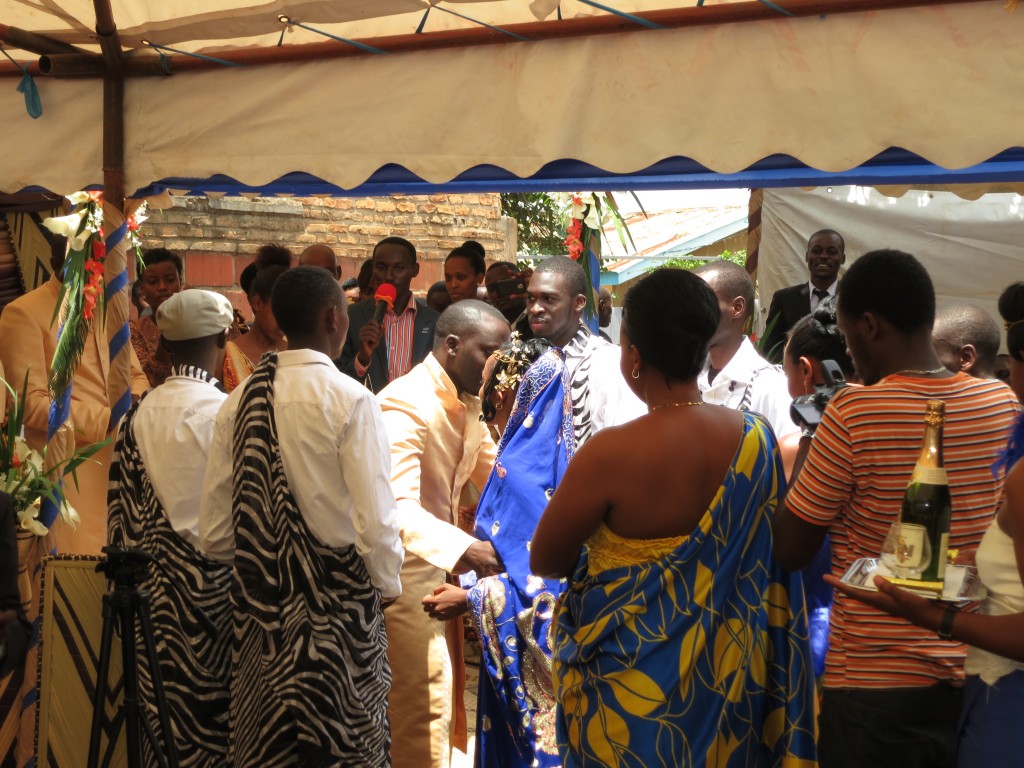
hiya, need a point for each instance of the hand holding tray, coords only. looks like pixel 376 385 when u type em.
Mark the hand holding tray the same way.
pixel 962 584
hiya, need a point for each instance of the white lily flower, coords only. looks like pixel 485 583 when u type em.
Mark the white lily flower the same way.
pixel 28 520
pixel 593 220
pixel 21 449
pixel 64 225
pixel 35 458
pixel 576 210
pixel 77 198
pixel 69 515
pixel 140 212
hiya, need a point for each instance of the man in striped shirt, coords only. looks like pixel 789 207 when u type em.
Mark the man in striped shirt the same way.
pixel 892 691
pixel 378 352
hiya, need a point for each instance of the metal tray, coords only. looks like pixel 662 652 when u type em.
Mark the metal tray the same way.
pixel 962 583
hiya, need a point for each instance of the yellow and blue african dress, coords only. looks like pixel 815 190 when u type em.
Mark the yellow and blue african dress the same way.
pixel 690 651
pixel 514 610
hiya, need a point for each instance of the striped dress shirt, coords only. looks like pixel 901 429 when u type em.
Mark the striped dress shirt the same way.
pixel 398 335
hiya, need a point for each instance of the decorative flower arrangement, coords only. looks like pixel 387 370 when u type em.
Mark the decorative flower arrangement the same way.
pixel 82 288
pixel 86 251
pixel 24 475
pixel 134 222
pixel 27 476
pixel 586 214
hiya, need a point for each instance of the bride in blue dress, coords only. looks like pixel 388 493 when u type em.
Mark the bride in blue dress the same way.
pixel 525 380
pixel 513 610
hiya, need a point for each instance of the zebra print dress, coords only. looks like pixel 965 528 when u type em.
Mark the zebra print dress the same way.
pixel 310 676
pixel 191 613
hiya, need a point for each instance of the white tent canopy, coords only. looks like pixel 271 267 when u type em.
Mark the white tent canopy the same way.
pixel 833 91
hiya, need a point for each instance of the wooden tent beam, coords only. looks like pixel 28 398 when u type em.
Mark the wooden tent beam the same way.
pixel 693 16
pixel 110 43
pixel 119 374
pixel 72 65
pixel 34 42
pixel 113 105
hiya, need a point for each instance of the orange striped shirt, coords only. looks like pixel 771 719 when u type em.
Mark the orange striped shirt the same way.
pixel 853 481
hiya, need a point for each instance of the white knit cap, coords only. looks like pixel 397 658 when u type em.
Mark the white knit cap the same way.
pixel 194 314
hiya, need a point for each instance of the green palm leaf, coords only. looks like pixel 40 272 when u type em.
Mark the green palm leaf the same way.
pixel 73 335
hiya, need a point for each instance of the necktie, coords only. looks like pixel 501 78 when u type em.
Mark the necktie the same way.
pixel 819 295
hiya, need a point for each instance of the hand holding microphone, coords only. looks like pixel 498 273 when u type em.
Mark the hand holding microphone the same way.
pixel 385 298
pixel 372 332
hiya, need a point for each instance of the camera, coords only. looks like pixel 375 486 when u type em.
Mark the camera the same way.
pixel 125 566
pixel 505 288
pixel 806 410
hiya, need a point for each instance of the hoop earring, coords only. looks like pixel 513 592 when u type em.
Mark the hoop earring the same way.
pixel 499 405
pixel 636 373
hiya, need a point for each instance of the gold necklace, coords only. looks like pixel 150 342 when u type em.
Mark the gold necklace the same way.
pixel 932 372
pixel 653 408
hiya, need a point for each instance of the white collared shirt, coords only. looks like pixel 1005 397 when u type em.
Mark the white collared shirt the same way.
pixel 335 456
pixel 174 428
pixel 611 401
pixel 811 288
pixel 747 370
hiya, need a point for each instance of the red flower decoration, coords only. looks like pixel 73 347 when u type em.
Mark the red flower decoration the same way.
pixel 573 241
pixel 89 295
pixel 99 248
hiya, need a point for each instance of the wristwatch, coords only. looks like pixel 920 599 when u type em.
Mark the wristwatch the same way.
pixel 945 630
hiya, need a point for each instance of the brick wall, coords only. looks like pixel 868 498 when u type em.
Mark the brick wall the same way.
pixel 217 238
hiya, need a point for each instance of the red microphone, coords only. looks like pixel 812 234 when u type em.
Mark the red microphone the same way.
pixel 385 298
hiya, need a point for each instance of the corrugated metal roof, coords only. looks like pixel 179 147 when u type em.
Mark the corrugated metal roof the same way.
pixel 666 235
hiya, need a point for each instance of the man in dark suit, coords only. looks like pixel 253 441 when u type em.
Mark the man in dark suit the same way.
pixel 377 353
pixel 826 253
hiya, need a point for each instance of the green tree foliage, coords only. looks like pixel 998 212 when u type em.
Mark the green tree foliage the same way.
pixel 538 222
pixel 737 257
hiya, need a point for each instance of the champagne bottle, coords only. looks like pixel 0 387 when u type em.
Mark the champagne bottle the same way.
pixel 926 501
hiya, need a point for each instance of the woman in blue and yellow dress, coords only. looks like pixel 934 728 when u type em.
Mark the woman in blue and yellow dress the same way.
pixel 679 641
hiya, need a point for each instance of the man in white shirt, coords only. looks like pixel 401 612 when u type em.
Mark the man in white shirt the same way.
pixel 155 480
pixel 735 375
pixel 556 297
pixel 826 253
pixel 297 500
pixel 439 445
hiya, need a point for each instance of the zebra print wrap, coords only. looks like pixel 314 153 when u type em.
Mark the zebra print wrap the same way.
pixel 579 385
pixel 310 676
pixel 191 613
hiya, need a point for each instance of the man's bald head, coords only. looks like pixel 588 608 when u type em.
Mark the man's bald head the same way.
pixel 323 256
pixel 467 333
pixel 729 281
pixel 462 319
pixel 966 339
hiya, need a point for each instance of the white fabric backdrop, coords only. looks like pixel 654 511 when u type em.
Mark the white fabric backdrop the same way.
pixel 972 249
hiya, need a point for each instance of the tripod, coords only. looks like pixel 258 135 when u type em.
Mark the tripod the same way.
pixel 126 567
